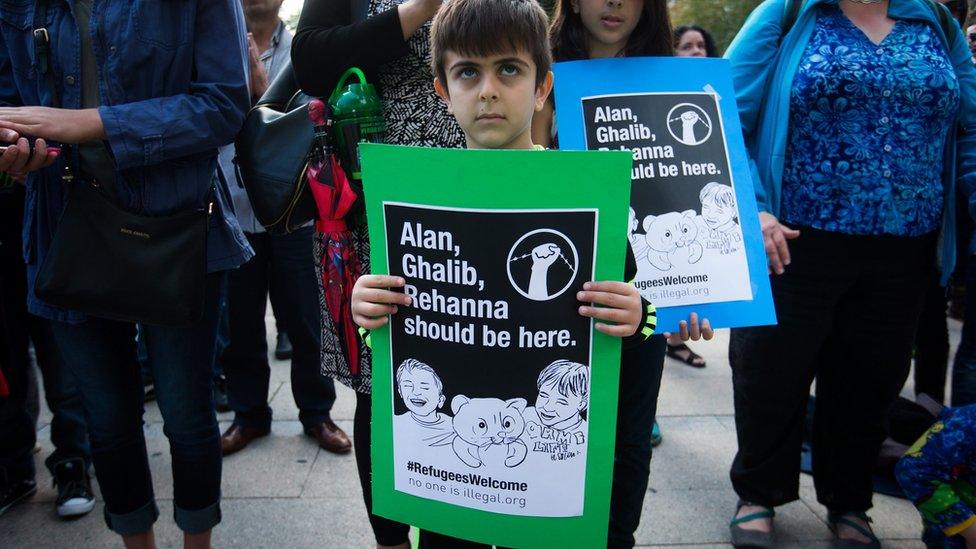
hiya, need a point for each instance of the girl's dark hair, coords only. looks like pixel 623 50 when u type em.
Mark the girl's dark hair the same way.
pixel 651 36
pixel 710 49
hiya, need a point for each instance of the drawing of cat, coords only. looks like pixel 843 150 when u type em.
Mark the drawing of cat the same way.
pixel 672 237
pixel 488 431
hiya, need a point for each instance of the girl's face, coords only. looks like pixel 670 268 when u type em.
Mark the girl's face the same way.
pixel 608 23
pixel 692 44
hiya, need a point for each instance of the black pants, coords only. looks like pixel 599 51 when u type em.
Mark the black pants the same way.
pixel 18 331
pixel 847 309
pixel 932 341
pixel 386 531
pixel 640 382
pixel 283 264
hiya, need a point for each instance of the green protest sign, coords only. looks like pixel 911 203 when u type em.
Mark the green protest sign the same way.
pixel 494 401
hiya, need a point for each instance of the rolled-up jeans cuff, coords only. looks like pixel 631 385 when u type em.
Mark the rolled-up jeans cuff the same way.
pixel 135 522
pixel 195 522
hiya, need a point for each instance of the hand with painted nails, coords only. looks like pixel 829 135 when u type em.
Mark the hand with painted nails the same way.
pixel 17 159
pixel 373 301
pixel 616 304
pixel 692 330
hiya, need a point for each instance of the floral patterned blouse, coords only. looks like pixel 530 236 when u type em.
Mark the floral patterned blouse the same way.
pixel 868 124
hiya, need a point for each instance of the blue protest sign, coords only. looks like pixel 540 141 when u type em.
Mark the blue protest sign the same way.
pixel 693 226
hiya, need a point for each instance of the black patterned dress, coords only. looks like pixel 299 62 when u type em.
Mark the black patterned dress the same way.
pixel 415 116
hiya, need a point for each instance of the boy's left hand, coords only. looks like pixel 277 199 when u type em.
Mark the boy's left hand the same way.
pixel 621 307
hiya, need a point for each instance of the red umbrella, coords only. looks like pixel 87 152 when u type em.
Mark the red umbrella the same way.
pixel 334 197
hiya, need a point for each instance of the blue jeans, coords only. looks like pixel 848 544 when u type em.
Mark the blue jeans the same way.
pixel 101 354
pixel 284 265
pixel 964 367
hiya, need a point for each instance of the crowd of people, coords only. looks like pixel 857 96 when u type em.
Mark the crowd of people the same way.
pixel 860 122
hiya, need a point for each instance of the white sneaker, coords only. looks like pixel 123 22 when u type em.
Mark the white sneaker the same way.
pixel 74 488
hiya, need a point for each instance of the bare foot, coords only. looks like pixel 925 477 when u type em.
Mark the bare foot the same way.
pixel 762 524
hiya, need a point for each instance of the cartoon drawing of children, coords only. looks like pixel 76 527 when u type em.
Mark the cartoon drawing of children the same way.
pixel 555 425
pixel 720 218
pixel 422 393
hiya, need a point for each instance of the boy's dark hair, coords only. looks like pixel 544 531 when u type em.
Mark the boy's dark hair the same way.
pixel 651 37
pixel 490 27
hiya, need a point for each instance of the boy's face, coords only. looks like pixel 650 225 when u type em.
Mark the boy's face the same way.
pixel 554 407
pixel 493 98
pixel 419 392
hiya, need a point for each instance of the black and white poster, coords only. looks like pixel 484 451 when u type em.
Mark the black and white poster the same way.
pixel 491 362
pixel 685 227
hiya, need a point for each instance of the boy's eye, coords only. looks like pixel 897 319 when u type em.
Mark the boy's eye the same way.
pixel 467 72
pixel 509 70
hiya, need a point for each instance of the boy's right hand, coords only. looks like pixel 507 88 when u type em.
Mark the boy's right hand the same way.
pixel 373 301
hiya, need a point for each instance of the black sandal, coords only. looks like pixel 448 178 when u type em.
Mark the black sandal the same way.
pixel 690 359
pixel 752 538
pixel 833 519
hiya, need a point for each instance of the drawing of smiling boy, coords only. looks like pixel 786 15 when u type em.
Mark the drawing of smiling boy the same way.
pixel 422 393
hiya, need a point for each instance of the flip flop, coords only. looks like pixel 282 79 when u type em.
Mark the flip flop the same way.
pixel 833 519
pixel 692 356
pixel 752 538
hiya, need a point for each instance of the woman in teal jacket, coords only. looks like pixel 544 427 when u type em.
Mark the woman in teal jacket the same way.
pixel 860 121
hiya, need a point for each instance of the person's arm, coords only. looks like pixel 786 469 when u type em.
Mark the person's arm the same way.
pixel 328 42
pixel 208 116
pixel 929 469
pixel 966 136
pixel 752 56
pixel 17 160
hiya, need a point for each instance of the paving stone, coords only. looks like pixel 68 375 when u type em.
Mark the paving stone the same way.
pixel 274 466
pixel 701 517
pixel 696 454
pixel 283 491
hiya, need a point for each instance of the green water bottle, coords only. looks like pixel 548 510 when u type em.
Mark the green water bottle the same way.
pixel 357 116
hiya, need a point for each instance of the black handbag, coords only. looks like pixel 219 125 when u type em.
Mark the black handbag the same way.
pixel 273 150
pixel 107 262
pixel 110 263
pixel 272 156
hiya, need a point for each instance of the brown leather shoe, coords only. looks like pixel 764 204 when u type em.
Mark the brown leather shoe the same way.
pixel 330 437
pixel 236 437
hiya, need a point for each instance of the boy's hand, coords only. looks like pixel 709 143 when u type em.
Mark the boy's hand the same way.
pixel 691 330
pixel 372 302
pixel 621 305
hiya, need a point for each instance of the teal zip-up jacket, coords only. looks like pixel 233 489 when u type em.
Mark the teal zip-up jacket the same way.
pixel 763 69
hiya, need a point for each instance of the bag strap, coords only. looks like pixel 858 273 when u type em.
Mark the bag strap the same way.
pixel 945 21
pixel 792 13
pixel 360 10
pixel 42 49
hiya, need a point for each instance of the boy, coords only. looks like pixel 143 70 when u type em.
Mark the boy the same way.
pixel 491 61
pixel 555 426
pixel 422 393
